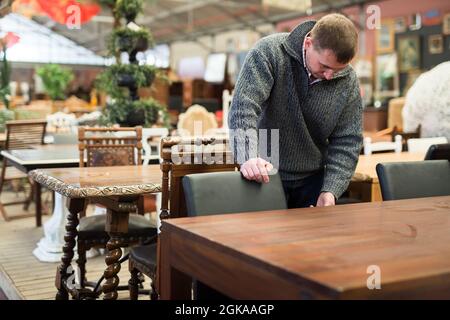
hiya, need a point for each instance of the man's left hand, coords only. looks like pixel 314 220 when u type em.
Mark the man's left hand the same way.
pixel 325 199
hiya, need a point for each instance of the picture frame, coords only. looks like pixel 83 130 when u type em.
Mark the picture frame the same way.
pixel 435 44
pixel 400 24
pixel 386 76
pixel 385 37
pixel 446 24
pixel 409 53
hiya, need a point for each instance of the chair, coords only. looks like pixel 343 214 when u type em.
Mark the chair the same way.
pixel 405 180
pixel 180 156
pixel 148 134
pixel 103 148
pixel 438 152
pixel 423 144
pixel 229 192
pixel 196 121
pixel 20 134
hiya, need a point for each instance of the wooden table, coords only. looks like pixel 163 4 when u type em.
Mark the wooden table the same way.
pixel 118 189
pixel 49 248
pixel 365 180
pixel 313 253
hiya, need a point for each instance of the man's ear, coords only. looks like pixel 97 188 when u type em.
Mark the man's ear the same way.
pixel 308 42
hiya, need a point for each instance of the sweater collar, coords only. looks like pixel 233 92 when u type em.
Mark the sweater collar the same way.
pixel 294 45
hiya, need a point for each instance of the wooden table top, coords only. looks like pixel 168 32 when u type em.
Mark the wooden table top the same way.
pixel 100 181
pixel 366 167
pixel 329 249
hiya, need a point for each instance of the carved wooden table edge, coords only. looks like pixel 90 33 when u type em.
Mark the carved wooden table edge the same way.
pixel 71 191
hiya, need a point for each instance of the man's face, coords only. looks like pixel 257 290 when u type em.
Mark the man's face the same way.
pixel 322 64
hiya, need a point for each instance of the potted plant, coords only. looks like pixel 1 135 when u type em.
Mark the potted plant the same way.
pixel 129 8
pixel 55 80
pixel 128 40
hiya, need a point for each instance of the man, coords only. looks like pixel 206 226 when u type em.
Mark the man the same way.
pixel 302 84
pixel 427 103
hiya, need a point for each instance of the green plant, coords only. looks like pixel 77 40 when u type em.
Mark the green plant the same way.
pixel 127 40
pixel 129 8
pixel 55 80
pixel 109 3
pixel 119 111
pixel 5 75
pixel 108 80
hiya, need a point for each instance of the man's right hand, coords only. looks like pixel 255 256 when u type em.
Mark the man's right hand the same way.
pixel 256 169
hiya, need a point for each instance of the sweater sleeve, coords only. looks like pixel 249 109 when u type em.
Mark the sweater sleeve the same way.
pixel 252 89
pixel 344 146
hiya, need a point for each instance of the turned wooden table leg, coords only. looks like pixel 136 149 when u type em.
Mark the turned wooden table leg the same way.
pixel 74 206
pixel 116 226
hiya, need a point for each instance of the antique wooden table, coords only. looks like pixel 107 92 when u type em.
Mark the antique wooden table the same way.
pixel 365 180
pixel 117 188
pixel 340 252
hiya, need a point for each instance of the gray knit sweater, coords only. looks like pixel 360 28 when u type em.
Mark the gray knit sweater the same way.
pixel 320 125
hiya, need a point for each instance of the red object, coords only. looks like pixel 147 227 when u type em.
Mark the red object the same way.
pixel 11 39
pixel 57 10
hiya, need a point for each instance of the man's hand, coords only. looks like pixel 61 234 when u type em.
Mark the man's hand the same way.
pixel 325 199
pixel 256 169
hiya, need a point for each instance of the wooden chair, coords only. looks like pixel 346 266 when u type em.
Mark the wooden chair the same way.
pixel 180 156
pixel 102 148
pixel 21 134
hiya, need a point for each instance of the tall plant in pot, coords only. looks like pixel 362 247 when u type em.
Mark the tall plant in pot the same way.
pixel 122 81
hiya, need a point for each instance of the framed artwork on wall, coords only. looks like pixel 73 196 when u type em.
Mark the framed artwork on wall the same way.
pixel 385 37
pixel 386 76
pixel 436 43
pixel 446 24
pixel 409 53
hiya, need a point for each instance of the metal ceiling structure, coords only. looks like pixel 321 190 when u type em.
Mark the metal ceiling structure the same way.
pixel 188 20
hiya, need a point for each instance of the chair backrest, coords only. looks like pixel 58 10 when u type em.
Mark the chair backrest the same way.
pixel 418 179
pixel 229 192
pixel 395 118
pixel 61 122
pixel 152 134
pixel 196 121
pixel 104 148
pixel 438 152
pixel 423 144
pixel 22 134
pixel 182 156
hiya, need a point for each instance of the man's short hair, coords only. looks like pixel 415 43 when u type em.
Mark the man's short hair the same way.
pixel 336 33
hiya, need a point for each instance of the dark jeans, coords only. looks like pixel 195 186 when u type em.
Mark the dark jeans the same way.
pixel 303 193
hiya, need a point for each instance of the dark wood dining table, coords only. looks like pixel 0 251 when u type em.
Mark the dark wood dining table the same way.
pixel 120 190
pixel 379 250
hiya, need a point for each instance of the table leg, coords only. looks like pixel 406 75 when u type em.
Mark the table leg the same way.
pixel 75 206
pixel 117 225
pixel 173 284
pixel 49 248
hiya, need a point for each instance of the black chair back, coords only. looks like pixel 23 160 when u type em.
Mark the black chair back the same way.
pixel 438 152
pixel 418 179
pixel 229 192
